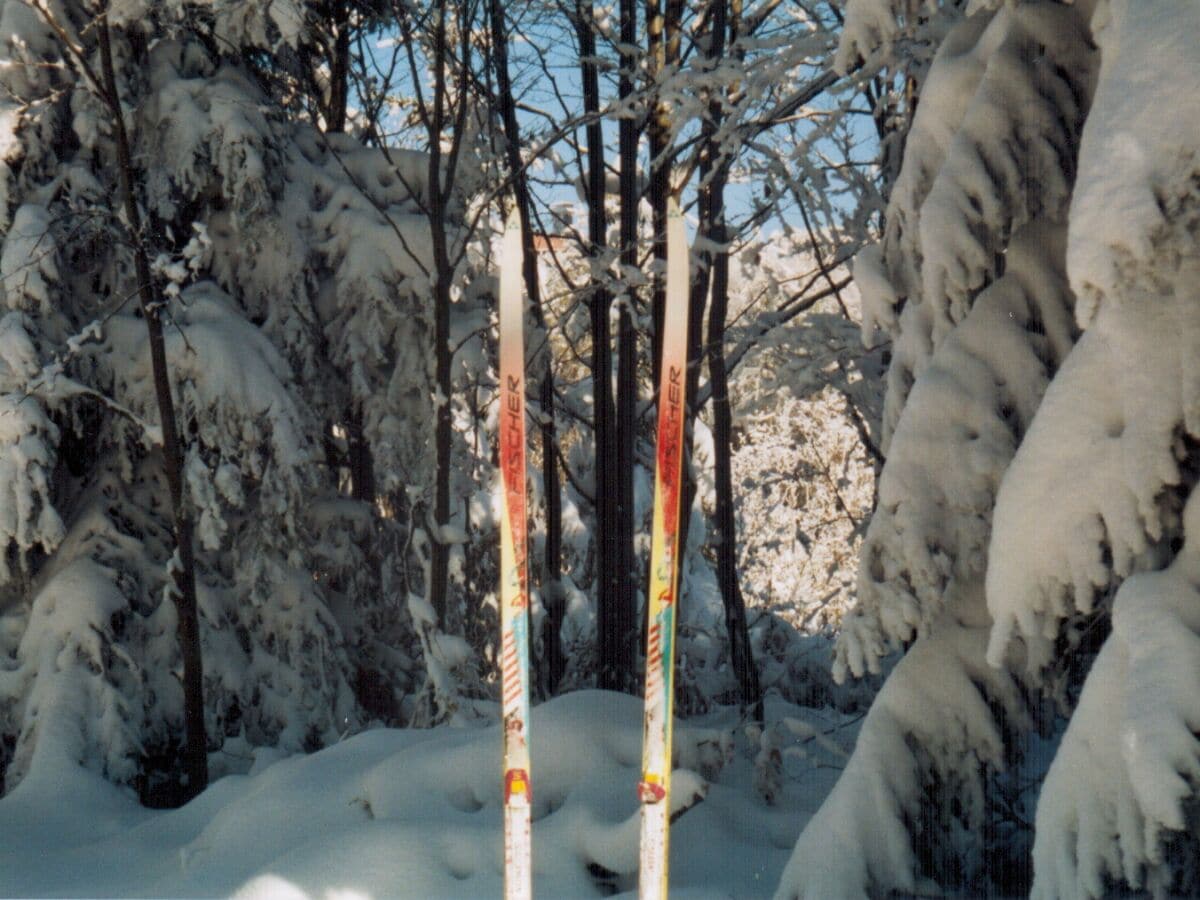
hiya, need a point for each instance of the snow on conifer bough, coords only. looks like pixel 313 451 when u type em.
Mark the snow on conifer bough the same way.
pixel 654 790
pixel 514 585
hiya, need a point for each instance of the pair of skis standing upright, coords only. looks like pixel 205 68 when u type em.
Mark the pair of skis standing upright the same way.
pixel 654 790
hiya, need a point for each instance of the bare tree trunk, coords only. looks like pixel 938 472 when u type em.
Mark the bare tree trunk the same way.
pixel 195 753
pixel 339 68
pixel 663 43
pixel 552 663
pixel 607 625
pixel 697 300
pixel 359 457
pixel 452 77
pixel 740 651
pixel 657 126
pixel 626 594
pixel 440 556
pixel 360 460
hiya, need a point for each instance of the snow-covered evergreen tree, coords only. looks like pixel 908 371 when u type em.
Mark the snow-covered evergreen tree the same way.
pixel 969 282
pixel 1101 490
pixel 1036 493
pixel 290 261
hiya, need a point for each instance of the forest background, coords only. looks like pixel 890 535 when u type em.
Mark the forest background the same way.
pixel 297 237
pixel 248 385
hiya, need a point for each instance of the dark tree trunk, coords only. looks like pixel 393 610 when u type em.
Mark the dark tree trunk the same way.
pixel 663 40
pixel 195 753
pixel 697 300
pixel 339 68
pixel 726 537
pixel 607 624
pixel 359 457
pixel 440 556
pixel 552 663
pixel 740 651
pixel 626 594
pixel 360 460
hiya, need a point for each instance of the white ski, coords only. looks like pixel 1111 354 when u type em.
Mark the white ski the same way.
pixel 514 584
pixel 654 790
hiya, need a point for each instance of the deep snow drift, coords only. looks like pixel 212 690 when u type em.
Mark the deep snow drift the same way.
pixel 416 813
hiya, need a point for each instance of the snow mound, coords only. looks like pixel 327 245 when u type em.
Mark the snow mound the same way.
pixel 417 813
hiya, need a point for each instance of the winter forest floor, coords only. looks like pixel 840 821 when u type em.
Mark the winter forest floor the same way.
pixel 416 813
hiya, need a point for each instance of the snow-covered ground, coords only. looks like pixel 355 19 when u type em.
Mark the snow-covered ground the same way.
pixel 416 813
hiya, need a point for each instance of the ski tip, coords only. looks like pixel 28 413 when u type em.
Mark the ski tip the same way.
pixel 513 221
pixel 676 229
pixel 677 246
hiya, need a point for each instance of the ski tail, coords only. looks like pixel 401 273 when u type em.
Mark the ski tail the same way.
pixel 654 790
pixel 514 584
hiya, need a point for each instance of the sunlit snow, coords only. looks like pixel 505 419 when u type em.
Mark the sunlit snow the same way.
pixel 416 813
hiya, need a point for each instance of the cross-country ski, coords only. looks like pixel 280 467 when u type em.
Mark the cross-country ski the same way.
pixel 654 790
pixel 514 577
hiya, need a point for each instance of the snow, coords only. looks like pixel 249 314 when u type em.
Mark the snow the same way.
pixel 1022 121
pixel 62 708
pixel 27 514
pixel 929 536
pixel 28 438
pixel 933 720
pixel 1000 109
pixel 1130 755
pixel 803 482
pixel 28 263
pixel 953 78
pixel 1083 503
pixel 1094 500
pixel 869 24
pixel 226 373
pixel 1088 497
pixel 970 283
pixel 1139 146
pixel 417 813
pixel 879 298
